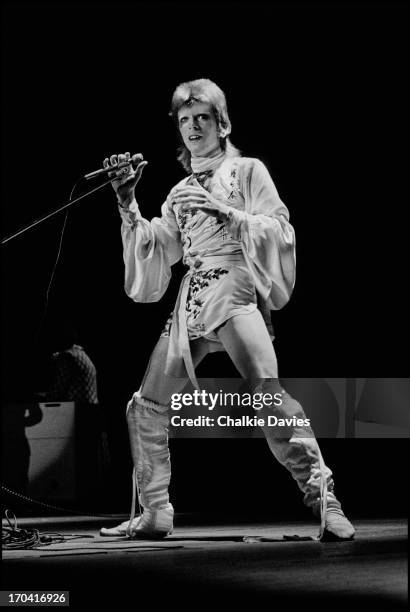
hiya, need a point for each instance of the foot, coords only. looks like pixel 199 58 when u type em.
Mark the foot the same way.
pixel 155 523
pixel 337 526
pixel 119 530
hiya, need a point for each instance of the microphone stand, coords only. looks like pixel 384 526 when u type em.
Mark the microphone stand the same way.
pixel 55 212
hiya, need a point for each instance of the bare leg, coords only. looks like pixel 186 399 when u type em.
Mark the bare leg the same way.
pixel 247 342
pixel 156 386
pixel 249 345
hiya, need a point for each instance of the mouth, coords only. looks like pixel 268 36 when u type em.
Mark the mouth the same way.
pixel 194 137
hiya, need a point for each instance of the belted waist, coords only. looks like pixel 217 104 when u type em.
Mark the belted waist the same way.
pixel 202 262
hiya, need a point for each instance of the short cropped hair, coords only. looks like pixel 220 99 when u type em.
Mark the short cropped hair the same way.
pixel 203 90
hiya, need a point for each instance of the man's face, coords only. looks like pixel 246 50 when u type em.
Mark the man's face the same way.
pixel 199 129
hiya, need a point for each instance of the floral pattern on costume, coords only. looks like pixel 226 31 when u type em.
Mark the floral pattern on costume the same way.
pixel 201 280
pixel 202 177
pixel 234 182
pixel 228 185
pixel 184 217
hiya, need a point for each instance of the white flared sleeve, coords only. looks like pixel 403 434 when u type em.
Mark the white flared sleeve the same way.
pixel 267 237
pixel 150 248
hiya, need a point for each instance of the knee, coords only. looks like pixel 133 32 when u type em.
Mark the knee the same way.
pixel 289 407
pixel 267 384
pixel 284 406
pixel 261 376
pixel 140 403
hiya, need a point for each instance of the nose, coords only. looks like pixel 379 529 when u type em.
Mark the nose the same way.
pixel 193 123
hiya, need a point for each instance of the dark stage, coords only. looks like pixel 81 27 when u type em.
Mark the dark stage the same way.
pixel 214 560
pixel 223 491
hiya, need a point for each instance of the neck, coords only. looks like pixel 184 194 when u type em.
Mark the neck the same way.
pixel 212 153
pixel 209 162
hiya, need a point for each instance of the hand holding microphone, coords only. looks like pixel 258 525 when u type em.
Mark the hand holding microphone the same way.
pixel 126 177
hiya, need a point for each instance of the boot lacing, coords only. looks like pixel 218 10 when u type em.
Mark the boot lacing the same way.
pixel 135 485
pixel 135 498
pixel 323 496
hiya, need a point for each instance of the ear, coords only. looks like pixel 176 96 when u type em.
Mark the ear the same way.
pixel 224 129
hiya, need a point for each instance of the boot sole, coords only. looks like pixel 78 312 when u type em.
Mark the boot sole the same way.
pixel 328 536
pixel 147 535
pixel 138 535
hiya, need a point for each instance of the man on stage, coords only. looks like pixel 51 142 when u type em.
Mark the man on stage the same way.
pixel 231 229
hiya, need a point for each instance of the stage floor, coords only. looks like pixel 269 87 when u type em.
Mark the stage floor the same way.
pixel 205 561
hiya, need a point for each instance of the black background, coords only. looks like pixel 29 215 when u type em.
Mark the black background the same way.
pixel 318 92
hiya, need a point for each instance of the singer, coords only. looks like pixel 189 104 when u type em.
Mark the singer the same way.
pixel 231 229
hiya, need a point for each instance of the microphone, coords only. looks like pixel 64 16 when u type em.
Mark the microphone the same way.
pixel 123 164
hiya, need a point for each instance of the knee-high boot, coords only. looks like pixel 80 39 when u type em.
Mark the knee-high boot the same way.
pixel 148 431
pixel 296 448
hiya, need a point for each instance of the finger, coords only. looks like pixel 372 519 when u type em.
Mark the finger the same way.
pixel 118 172
pixel 137 158
pixel 113 160
pixel 122 160
pixel 194 191
pixel 188 196
pixel 106 164
pixel 188 192
pixel 191 188
pixel 190 199
pixel 139 170
pixel 189 206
